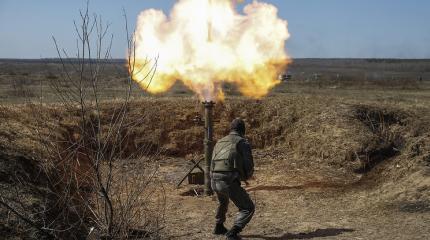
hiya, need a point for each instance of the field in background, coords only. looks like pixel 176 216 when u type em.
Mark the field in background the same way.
pixel 21 80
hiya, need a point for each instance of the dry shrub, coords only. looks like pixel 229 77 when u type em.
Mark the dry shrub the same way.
pixel 61 188
pixel 83 146
pixel 98 158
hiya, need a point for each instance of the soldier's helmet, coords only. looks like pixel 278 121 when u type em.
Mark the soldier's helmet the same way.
pixel 238 125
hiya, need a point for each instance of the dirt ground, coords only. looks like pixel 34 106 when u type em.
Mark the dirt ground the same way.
pixel 296 202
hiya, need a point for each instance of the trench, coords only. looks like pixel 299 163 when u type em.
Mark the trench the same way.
pixel 387 143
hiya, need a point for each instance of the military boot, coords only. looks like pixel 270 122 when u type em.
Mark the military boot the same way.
pixel 220 229
pixel 233 234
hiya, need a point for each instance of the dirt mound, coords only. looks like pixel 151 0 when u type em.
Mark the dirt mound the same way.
pixel 344 141
pixel 29 204
pixel 394 161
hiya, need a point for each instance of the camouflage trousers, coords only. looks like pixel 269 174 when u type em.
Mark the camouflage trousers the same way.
pixel 227 187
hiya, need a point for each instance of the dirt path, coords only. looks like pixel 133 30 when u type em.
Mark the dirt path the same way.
pixel 297 209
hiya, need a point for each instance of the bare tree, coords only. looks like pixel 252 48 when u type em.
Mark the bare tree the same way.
pixel 92 188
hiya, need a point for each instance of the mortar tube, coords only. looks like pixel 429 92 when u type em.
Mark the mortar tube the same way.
pixel 208 144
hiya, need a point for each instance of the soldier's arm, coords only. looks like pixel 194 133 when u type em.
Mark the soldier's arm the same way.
pixel 245 150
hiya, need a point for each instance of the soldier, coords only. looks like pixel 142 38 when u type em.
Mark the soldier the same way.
pixel 232 162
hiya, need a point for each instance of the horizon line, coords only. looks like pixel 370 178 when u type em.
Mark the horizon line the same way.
pixel 298 58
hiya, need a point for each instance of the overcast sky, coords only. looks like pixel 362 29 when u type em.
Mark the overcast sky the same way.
pixel 319 28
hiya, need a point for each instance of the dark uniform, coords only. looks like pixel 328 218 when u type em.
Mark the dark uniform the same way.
pixel 232 162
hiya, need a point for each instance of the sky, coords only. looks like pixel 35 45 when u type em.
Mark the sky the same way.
pixel 318 28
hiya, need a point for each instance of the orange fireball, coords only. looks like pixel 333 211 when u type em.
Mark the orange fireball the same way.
pixel 204 43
